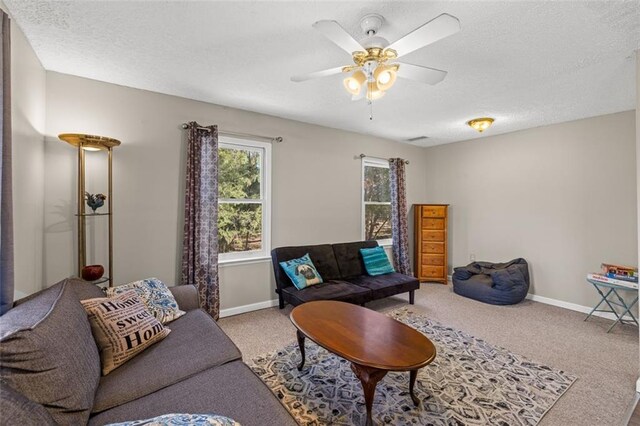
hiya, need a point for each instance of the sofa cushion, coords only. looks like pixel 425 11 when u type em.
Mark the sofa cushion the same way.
pixel 330 290
pixel 85 290
pixel 186 296
pixel 230 390
pixel 156 297
pixel 321 255
pixel 195 344
pixel 301 272
pixel 47 353
pixel 349 258
pixel 386 285
pixel 82 289
pixel 376 261
pixel 16 409
pixel 122 327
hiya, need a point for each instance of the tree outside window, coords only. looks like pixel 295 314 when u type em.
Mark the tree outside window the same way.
pixel 376 201
pixel 241 201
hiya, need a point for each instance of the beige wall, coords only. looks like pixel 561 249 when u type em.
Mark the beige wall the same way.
pixel 316 180
pixel 536 193
pixel 28 123
pixel 561 196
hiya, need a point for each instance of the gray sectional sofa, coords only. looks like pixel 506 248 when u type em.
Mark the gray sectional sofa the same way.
pixel 344 275
pixel 50 368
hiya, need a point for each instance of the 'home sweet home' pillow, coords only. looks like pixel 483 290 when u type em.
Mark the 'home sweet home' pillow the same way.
pixel 122 327
pixel 155 295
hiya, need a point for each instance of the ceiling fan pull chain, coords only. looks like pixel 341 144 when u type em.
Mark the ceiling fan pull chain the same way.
pixel 370 110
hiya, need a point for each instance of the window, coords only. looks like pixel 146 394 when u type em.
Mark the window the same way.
pixel 376 201
pixel 244 208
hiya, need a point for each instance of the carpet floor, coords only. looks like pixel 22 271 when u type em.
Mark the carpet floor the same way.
pixel 606 364
pixel 470 382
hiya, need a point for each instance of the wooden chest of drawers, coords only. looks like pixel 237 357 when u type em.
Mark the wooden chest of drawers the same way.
pixel 431 242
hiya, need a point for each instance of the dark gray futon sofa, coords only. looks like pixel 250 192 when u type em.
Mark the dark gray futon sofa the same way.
pixel 344 275
pixel 50 368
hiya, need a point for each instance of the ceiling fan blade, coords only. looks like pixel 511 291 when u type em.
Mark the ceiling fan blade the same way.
pixel 334 32
pixel 317 74
pixel 422 74
pixel 438 28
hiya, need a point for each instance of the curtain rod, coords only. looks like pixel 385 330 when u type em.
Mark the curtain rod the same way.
pixel 380 158
pixel 276 139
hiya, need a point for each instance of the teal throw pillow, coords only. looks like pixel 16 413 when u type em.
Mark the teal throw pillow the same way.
pixel 376 261
pixel 301 271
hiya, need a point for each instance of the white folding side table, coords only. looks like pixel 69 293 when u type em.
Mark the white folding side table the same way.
pixel 605 290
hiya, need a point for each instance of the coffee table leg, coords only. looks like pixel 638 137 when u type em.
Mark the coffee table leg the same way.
pixel 413 374
pixel 369 377
pixel 301 345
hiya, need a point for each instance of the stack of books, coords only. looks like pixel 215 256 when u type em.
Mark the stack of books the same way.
pixel 625 276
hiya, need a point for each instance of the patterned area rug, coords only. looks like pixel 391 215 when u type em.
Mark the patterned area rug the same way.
pixel 469 383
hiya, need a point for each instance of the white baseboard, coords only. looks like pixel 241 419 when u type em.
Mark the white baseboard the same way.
pixel 248 308
pixel 569 305
pixel 17 294
pixel 546 300
pixel 638 385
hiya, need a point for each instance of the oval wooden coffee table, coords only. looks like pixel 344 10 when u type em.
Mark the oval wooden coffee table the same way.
pixel 374 343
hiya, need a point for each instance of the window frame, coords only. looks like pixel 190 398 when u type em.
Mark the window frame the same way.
pixel 371 162
pixel 227 142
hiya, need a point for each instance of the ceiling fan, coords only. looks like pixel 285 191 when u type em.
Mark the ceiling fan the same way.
pixel 375 65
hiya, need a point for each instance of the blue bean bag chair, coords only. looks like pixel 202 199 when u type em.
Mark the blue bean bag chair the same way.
pixel 494 283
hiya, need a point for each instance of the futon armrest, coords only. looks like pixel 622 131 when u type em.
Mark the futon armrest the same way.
pixel 186 296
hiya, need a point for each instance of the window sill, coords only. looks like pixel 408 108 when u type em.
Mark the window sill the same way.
pixel 246 261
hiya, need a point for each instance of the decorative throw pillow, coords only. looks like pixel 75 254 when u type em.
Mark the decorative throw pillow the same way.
pixel 122 327
pixel 301 271
pixel 155 295
pixel 376 261
pixel 182 420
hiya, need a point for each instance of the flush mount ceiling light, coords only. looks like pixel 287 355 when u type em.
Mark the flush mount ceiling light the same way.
pixel 375 69
pixel 481 124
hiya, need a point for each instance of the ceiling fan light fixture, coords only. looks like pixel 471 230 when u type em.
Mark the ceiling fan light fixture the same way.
pixel 374 69
pixel 385 76
pixel 373 91
pixel 480 124
pixel 353 84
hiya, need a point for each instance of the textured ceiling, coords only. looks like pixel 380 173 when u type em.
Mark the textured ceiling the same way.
pixel 527 64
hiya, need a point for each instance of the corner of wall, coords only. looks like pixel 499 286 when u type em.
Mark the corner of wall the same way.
pixel 28 98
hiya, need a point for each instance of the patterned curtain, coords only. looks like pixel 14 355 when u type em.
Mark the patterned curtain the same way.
pixel 6 205
pixel 200 244
pixel 399 226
